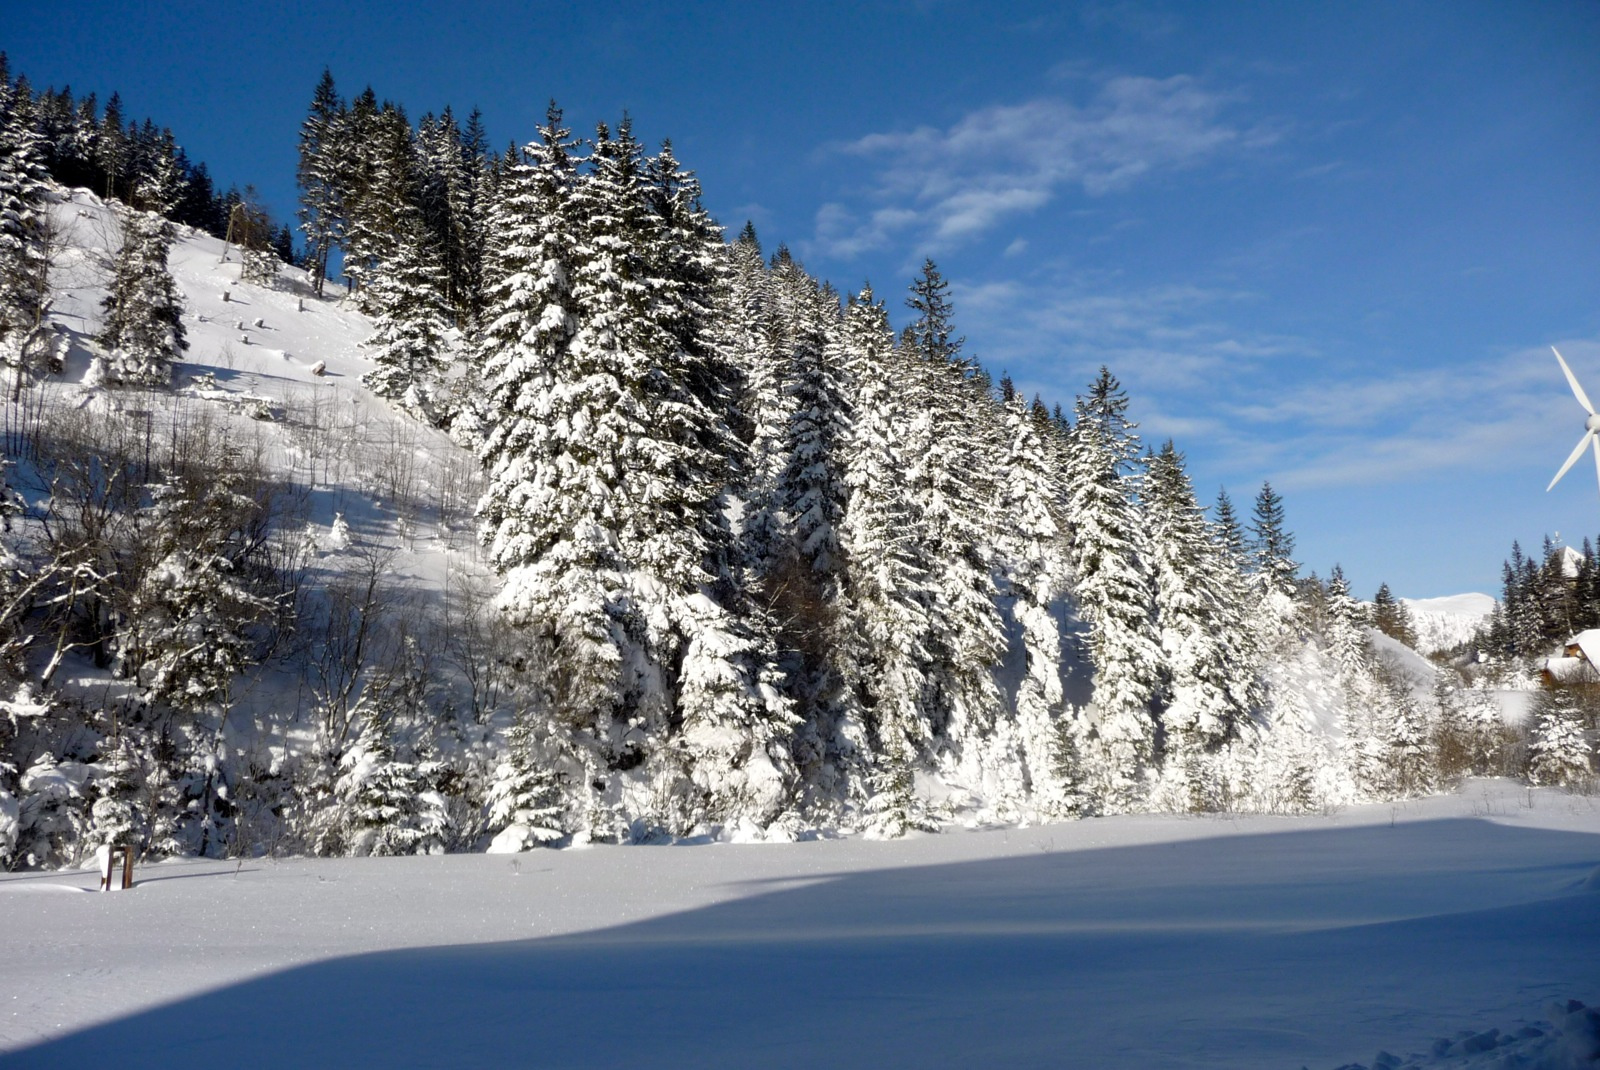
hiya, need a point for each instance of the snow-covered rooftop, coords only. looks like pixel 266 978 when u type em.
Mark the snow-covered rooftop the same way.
pixel 1588 643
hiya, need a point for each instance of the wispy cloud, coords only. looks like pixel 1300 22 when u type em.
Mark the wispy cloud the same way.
pixel 937 187
pixel 1260 404
pixel 1142 20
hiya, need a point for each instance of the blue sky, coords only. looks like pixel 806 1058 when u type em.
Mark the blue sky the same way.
pixel 1322 245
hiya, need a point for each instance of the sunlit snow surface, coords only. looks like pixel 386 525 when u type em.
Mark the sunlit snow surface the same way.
pixel 1119 942
pixel 1442 623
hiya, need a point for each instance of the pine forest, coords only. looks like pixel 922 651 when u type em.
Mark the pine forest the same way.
pixel 629 530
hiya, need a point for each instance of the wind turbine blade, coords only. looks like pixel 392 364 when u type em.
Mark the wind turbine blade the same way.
pixel 1583 399
pixel 1596 440
pixel 1588 436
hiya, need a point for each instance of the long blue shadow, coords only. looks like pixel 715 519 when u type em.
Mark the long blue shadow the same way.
pixel 1168 955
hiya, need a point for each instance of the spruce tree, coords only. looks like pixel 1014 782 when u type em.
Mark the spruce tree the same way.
pixel 807 578
pixel 1347 638
pixel 1227 532
pixel 547 507
pixel 1559 751
pixel 410 347
pixel 884 655
pixel 948 491
pixel 1272 544
pixel 1111 581
pixel 193 611
pixel 111 147
pixel 1391 617
pixel 762 341
pixel 389 806
pixel 142 332
pixel 1199 624
pixel 932 333
pixel 524 801
pixel 27 344
pixel 604 506
pixel 1032 553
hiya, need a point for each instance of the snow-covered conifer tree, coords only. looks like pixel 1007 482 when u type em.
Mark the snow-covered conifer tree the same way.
pixel 114 818
pixel 390 806
pixel 1272 544
pixel 1391 617
pixel 605 477
pixel 1227 531
pixel 804 580
pixel 947 489
pixel 27 345
pixel 321 210
pixel 524 799
pixel 142 331
pixel 727 680
pixel 191 610
pixel 755 336
pixel 886 618
pixel 378 186
pixel 1559 752
pixel 410 346
pixel 1032 554
pixel 1347 638
pixel 1199 627
pixel 1110 578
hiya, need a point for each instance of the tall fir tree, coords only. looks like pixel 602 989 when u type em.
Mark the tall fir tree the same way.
pixel 1031 551
pixel 142 330
pixel 1111 579
pixel 1200 625
pixel 410 346
pixel 948 491
pixel 885 625
pixel 27 344
pixel 1272 544
pixel 321 208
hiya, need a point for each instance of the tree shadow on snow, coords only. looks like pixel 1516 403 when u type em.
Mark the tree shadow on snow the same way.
pixel 1301 947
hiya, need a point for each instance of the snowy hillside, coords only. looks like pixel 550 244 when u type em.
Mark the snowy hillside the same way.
pixel 281 371
pixel 1442 623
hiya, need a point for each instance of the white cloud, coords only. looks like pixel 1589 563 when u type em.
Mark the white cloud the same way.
pixel 943 186
pixel 1264 405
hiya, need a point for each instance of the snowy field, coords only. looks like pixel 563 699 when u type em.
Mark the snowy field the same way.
pixel 1411 929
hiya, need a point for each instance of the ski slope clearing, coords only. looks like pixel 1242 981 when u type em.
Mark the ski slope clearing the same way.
pixel 1125 942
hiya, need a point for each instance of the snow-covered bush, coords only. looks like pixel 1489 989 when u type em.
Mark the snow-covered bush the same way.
pixel 390 806
pixel 1559 749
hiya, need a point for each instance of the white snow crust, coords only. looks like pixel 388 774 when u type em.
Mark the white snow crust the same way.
pixel 1135 941
pixel 1441 623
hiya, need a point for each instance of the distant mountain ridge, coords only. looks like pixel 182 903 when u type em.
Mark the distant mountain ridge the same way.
pixel 1441 623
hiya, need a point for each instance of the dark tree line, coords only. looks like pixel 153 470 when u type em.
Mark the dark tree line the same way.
pixel 376 189
pixel 1545 599
pixel 81 143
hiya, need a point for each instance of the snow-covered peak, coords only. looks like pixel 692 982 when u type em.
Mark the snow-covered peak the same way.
pixel 1441 623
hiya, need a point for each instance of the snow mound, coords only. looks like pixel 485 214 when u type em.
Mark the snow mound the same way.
pixel 1568 1040
pixel 1441 623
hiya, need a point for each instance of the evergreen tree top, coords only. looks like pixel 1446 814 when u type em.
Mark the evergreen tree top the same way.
pixel 747 237
pixel 931 333
pixel 1273 544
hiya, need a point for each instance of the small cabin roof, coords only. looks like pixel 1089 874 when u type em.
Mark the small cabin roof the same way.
pixel 1589 643
pixel 1565 670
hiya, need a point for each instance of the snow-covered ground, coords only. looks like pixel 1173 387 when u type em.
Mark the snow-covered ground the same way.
pixel 1120 942
pixel 1441 623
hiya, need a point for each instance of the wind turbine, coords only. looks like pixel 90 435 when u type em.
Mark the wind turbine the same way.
pixel 1591 426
